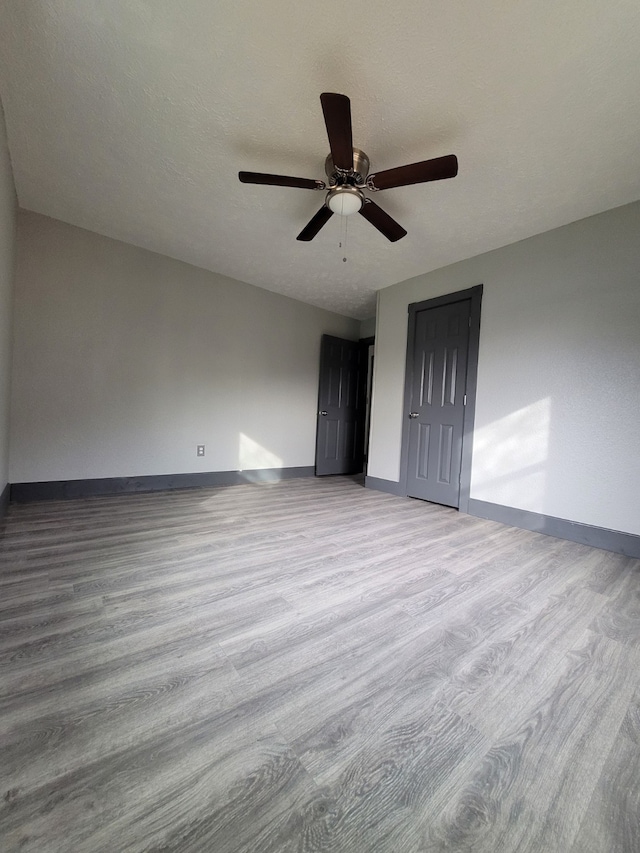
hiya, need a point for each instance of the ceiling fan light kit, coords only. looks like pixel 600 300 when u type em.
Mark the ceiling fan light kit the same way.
pixel 347 169
pixel 344 200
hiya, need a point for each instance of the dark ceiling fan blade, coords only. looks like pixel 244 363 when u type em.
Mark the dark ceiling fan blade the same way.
pixel 337 118
pixel 415 173
pixel 319 221
pixel 281 181
pixel 382 221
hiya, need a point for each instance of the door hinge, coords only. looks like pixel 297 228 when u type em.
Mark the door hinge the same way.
pixel 464 400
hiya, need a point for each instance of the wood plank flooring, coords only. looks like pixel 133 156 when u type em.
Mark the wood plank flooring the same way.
pixel 312 666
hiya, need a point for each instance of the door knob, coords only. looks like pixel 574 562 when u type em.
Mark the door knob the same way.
pixel 323 412
pixel 414 415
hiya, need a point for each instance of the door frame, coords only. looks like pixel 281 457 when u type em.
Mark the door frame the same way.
pixel 366 343
pixel 475 295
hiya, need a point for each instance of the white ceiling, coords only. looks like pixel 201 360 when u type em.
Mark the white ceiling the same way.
pixel 132 118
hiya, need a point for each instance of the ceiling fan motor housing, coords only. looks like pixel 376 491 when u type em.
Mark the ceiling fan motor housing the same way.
pixel 361 166
pixel 345 195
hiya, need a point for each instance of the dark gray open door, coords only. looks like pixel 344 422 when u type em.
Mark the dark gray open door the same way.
pixel 436 402
pixel 341 407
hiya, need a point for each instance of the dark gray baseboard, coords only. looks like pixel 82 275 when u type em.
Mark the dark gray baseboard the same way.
pixel 388 486
pixel 66 489
pixel 598 537
pixel 4 500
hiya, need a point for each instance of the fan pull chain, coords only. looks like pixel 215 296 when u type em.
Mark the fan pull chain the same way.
pixel 343 244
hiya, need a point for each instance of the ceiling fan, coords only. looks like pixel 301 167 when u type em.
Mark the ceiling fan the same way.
pixel 347 169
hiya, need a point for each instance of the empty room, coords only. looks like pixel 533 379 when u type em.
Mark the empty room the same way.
pixel 319 427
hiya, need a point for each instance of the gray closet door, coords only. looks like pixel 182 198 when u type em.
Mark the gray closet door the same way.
pixel 437 401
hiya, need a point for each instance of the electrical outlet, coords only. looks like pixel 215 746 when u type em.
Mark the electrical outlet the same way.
pixel 200 450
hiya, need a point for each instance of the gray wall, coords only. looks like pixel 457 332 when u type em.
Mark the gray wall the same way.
pixel 7 243
pixel 125 360
pixel 558 400
pixel 368 327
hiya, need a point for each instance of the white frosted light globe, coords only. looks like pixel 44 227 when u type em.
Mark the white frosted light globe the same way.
pixel 344 202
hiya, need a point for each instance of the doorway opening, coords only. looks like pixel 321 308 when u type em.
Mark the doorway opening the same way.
pixel 344 405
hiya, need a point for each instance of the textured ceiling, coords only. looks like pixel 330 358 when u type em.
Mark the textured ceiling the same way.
pixel 132 118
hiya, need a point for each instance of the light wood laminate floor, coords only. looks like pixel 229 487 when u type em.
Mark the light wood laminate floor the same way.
pixel 312 666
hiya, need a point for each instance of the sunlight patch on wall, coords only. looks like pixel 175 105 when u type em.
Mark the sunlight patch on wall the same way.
pixel 510 458
pixel 252 455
